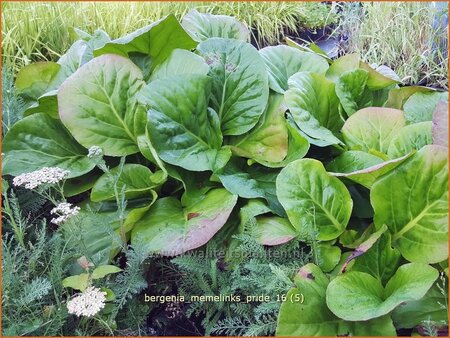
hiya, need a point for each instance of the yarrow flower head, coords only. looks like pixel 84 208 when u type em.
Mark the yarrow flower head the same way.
pixel 88 303
pixel 64 212
pixel 46 175
pixel 95 151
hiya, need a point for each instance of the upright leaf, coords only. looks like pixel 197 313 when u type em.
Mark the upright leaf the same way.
pixel 283 61
pixel 412 200
pixel 202 26
pixel 318 205
pixel 156 41
pixel 440 124
pixel 314 106
pixel 240 88
pixel 104 90
pixel 181 127
pixel 409 138
pixel 420 106
pixel 352 91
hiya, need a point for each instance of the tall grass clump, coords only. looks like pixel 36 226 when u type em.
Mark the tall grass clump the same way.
pixel 405 36
pixel 36 31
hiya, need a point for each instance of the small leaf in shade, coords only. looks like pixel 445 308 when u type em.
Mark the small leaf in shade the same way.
pixel 78 282
pixel 372 128
pixel 364 246
pixel 357 296
pixel 328 256
pixel 283 61
pixel 240 86
pixel 166 230
pixel 314 107
pixel 202 26
pixel 412 200
pixel 156 40
pixel 440 124
pixel 318 205
pixel 104 270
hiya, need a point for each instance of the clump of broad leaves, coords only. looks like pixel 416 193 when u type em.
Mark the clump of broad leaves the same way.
pixel 334 152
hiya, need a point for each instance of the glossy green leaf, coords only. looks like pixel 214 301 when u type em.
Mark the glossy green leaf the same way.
pixel 368 175
pixel 283 61
pixel 311 47
pixel 314 106
pixel 179 62
pixel 343 64
pixel 251 182
pixel 77 282
pixel 39 141
pixel 398 96
pixel 312 316
pixel 169 230
pixel 240 88
pixel 357 296
pixel 379 78
pixel 409 138
pixel 104 270
pixel 353 160
pixel 327 256
pixel 268 141
pixel 80 184
pixel 105 91
pixel 317 204
pixel 34 80
pixel 202 26
pixel 135 180
pixel 372 128
pixel 352 92
pixel 440 124
pixel 156 40
pixel 420 106
pixel 182 129
pixel 412 200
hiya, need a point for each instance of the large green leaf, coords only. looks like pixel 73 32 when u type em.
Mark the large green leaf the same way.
pixel 170 230
pixel 181 127
pixel 268 141
pixel 136 180
pixel 156 40
pixel 311 317
pixel 39 141
pixel 372 128
pixel 179 62
pixel 412 200
pixel 420 106
pixel 398 96
pixel 98 104
pixel 314 106
pixel 345 63
pixel 352 91
pixel 409 138
pixel 357 296
pixel 429 308
pixel 240 88
pixel 283 61
pixel 202 26
pixel 317 204
pixel 359 171
pixel 251 182
pixel 440 124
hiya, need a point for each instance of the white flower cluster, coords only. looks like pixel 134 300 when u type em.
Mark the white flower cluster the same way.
pixel 88 303
pixel 95 151
pixel 64 211
pixel 39 177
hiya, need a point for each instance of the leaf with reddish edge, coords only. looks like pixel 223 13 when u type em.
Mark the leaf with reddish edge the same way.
pixel 440 124
pixel 364 246
pixel 169 229
pixel 274 230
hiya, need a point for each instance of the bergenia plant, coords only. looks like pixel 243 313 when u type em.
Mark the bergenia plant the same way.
pixel 336 153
